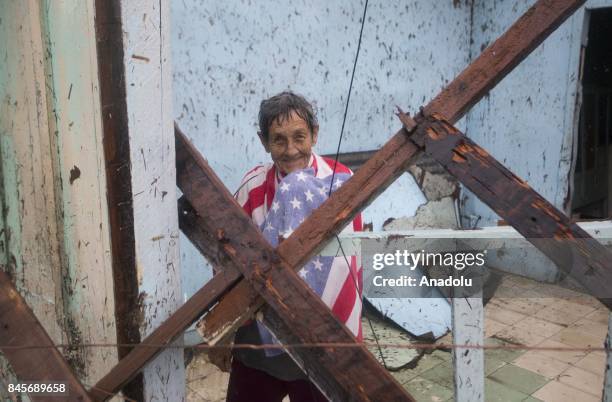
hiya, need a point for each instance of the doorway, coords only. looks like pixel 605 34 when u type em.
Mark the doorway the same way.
pixel 592 198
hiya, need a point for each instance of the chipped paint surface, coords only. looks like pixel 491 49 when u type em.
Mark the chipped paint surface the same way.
pixel 528 121
pixel 80 183
pixel 22 121
pixel 149 107
pixel 56 234
pixel 229 56
pixel 468 364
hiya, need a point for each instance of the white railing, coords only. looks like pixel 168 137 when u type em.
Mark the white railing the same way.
pixel 467 313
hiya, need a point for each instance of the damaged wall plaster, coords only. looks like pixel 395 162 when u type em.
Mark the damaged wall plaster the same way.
pixel 228 56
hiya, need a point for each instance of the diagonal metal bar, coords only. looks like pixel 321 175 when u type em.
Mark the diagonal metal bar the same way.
pixel 551 231
pixel 20 329
pixel 390 161
pixel 343 374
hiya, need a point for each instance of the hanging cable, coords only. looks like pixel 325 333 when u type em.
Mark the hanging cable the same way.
pixel 346 106
pixel 348 98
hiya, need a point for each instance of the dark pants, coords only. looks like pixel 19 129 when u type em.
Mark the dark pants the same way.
pixel 251 385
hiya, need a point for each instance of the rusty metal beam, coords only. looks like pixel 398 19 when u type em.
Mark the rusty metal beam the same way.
pixel 501 57
pixel 19 330
pixel 199 232
pixel 390 161
pixel 343 374
pixel 563 241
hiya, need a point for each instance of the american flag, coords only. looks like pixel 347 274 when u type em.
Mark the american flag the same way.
pixel 278 205
pixel 298 194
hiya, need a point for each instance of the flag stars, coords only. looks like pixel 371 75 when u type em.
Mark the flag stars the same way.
pixel 301 176
pixel 285 187
pixel 337 184
pixel 295 203
pixel 275 206
pixel 288 232
pixel 269 227
pixel 303 273
pixel 322 191
pixel 309 195
pixel 318 264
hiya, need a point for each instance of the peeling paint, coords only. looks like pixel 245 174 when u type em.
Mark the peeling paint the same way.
pixel 528 121
pixel 48 66
pixel 148 76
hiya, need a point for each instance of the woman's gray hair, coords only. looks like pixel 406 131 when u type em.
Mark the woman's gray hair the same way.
pixel 279 108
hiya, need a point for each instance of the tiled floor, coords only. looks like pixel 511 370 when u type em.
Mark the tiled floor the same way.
pixel 541 316
pixel 532 314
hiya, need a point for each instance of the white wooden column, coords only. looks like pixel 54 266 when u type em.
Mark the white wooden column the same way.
pixel 468 364
pixel 148 79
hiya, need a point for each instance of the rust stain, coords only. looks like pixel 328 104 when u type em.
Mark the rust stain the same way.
pixel 565 233
pixel 230 250
pixel 344 214
pixel 458 157
pixel 433 134
pixel 521 182
pixel 544 207
pixel 481 152
pixel 464 148
pixel 363 392
pixel 270 286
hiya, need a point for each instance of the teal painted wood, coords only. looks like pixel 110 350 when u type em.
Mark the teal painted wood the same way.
pixel 55 224
pixel 10 91
pixel 10 250
pixel 79 183
pixel 19 111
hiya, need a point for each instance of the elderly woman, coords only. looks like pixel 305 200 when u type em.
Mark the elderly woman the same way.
pixel 278 196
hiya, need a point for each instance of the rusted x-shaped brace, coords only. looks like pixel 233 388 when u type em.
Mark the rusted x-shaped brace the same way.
pixel 340 375
pixel 371 179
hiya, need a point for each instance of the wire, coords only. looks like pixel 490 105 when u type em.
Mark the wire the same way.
pixel 331 183
pixel 332 345
pixel 348 98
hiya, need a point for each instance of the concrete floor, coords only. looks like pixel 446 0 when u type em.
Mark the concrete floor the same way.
pixel 537 314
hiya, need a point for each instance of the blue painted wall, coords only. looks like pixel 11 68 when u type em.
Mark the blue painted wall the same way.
pixel 229 56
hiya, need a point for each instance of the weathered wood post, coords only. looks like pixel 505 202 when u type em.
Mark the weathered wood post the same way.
pixel 55 238
pixel 136 92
